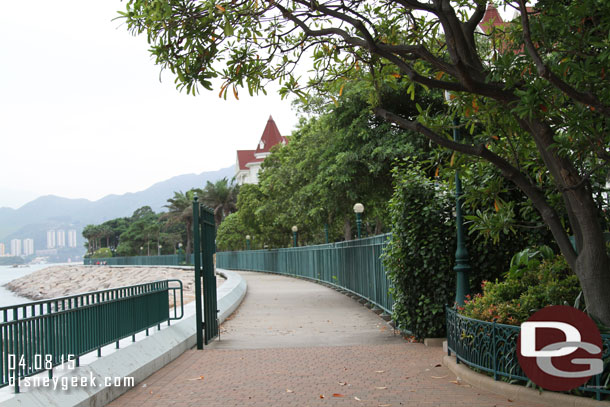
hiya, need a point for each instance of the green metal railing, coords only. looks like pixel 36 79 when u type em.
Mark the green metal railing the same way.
pixel 162 260
pixel 40 335
pixel 354 266
pixel 492 347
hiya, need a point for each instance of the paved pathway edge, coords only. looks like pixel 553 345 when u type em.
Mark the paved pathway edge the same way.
pixel 138 360
pixel 517 393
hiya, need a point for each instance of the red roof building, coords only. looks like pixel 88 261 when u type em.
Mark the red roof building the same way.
pixel 249 161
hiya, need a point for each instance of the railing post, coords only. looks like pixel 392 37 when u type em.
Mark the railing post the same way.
pixel 197 256
pixel 493 341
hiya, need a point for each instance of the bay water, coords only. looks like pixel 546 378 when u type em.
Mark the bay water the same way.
pixel 9 273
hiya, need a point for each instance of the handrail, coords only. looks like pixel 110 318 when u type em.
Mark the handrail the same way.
pixel 492 347
pixel 39 335
pixel 354 266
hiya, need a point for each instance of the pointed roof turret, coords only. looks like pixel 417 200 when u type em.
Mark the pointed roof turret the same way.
pixel 271 136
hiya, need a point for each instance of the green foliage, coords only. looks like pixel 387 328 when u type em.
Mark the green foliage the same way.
pixel 221 196
pixel 418 257
pixel 231 234
pixel 102 253
pixel 540 113
pixel 341 156
pixel 536 279
pixel 421 254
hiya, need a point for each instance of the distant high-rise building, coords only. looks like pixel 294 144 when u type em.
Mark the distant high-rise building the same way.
pixel 28 247
pixel 15 247
pixel 72 238
pixel 50 239
pixel 61 238
pixel 2 249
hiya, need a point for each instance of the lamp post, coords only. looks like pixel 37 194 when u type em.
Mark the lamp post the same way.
pixel 159 250
pixel 295 230
pixel 461 267
pixel 248 242
pixel 141 250
pixel 358 209
pixel 179 251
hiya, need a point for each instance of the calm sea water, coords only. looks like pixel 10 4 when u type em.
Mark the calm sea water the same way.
pixel 8 273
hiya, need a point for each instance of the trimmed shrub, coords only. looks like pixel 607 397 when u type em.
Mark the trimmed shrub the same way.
pixel 534 282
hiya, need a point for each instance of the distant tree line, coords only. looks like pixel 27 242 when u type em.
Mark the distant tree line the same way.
pixel 148 233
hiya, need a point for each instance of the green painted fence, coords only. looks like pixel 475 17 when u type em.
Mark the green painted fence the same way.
pixel 354 266
pixel 37 336
pixel 492 347
pixel 162 260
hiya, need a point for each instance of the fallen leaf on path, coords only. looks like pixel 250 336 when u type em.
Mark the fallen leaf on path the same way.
pixel 289 391
pixel 342 384
pixel 379 371
pixel 338 395
pixel 357 399
pixel 439 365
pixel 321 396
pixel 454 381
pixel 381 388
pixel 438 377
pixel 509 400
pixel 196 378
pixel 383 405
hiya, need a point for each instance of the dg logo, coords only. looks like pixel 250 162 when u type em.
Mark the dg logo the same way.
pixel 560 348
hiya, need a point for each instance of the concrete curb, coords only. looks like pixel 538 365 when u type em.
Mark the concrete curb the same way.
pixel 138 360
pixel 517 393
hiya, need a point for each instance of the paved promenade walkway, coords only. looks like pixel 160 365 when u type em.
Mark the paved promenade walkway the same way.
pixel 295 343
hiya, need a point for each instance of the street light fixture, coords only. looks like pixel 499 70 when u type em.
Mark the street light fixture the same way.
pixel 248 242
pixel 159 251
pixel 461 267
pixel 358 209
pixel 295 230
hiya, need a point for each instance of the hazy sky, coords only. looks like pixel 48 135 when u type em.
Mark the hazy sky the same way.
pixel 83 114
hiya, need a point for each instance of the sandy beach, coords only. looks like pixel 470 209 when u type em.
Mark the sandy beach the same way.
pixel 59 281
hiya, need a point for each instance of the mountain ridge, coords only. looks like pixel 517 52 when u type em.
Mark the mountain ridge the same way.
pixel 52 211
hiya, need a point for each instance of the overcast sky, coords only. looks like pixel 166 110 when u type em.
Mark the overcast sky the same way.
pixel 83 114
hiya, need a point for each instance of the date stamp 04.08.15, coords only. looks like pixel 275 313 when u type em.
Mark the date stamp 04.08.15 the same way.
pixel 63 382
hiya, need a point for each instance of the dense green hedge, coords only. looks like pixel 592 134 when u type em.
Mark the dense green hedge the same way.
pixel 421 253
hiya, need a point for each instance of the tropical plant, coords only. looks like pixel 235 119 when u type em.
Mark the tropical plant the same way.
pixel 221 196
pixel 180 210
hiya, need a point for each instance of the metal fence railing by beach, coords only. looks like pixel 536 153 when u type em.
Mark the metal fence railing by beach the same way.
pixel 492 348
pixel 353 265
pixel 162 260
pixel 38 336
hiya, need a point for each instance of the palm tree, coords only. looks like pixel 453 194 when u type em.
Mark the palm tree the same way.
pixel 221 196
pixel 180 211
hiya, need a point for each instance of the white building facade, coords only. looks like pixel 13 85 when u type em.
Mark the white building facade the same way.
pixel 28 247
pixel 72 238
pixel 51 242
pixel 15 247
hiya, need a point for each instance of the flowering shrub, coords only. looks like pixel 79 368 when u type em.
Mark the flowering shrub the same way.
pixel 538 283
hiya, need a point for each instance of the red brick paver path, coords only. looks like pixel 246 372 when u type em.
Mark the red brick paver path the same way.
pixel 391 372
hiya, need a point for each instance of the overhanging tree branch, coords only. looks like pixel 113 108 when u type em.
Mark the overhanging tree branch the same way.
pixel 544 71
pixel 510 172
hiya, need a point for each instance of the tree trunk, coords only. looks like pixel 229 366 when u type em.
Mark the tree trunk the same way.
pixel 347 229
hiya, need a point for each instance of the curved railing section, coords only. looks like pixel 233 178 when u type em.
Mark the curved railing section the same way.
pixel 37 336
pixel 354 266
pixel 492 348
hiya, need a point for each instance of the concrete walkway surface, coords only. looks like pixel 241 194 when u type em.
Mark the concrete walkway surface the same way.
pixel 297 343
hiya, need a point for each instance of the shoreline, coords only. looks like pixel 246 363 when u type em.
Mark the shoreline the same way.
pixel 65 280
